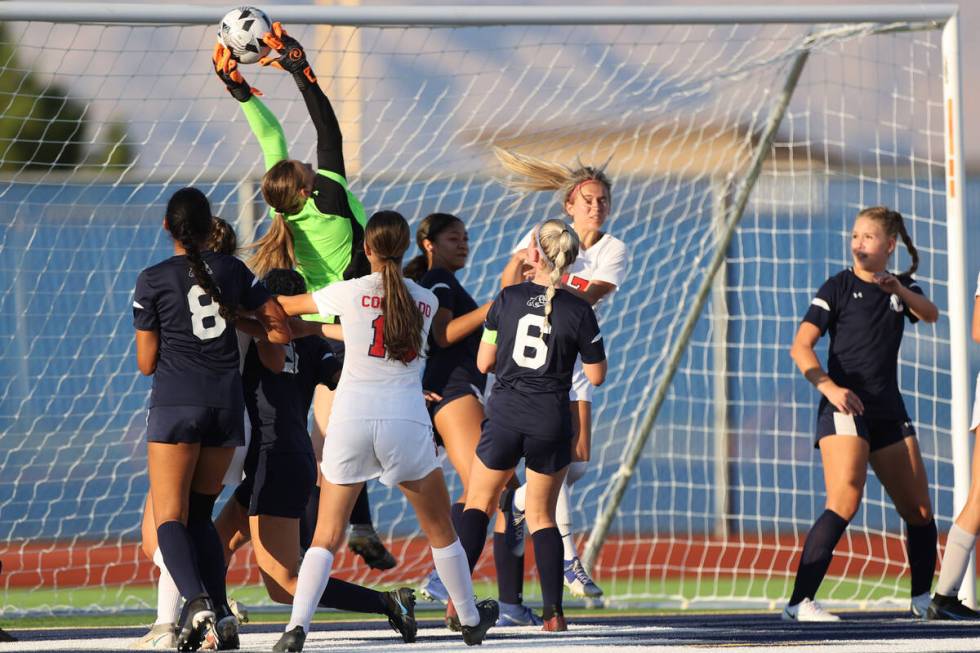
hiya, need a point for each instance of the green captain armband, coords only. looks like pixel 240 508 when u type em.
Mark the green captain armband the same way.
pixel 489 337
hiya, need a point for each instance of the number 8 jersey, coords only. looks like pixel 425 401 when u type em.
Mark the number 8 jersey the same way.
pixel 198 363
pixel 534 363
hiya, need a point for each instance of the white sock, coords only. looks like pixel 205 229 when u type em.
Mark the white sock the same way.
pixel 168 596
pixel 454 571
pixel 519 497
pixel 576 471
pixel 956 557
pixel 563 520
pixel 313 576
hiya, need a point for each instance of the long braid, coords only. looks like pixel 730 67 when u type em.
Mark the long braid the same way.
pixel 907 239
pixel 189 222
pixel 559 245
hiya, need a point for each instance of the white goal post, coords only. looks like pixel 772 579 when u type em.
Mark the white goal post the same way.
pixel 742 141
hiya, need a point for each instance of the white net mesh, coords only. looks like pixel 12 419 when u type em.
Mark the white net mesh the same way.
pixel 131 113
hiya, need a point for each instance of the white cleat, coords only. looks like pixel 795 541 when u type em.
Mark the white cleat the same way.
pixel 919 606
pixel 809 611
pixel 161 636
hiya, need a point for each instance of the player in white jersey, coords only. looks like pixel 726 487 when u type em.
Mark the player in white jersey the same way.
pixel 585 194
pixel 379 427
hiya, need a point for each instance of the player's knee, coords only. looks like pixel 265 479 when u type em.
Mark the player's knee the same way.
pixel 846 504
pixel 278 594
pixel 330 537
pixel 538 518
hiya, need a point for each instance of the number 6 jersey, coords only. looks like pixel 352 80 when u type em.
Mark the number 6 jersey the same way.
pixel 198 363
pixel 534 369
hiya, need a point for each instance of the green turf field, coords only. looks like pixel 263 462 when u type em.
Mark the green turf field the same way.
pixel 136 600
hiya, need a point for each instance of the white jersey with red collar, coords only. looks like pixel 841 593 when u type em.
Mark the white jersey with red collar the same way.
pixel 372 386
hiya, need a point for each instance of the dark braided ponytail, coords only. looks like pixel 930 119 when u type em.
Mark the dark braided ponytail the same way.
pixel 189 222
pixel 894 226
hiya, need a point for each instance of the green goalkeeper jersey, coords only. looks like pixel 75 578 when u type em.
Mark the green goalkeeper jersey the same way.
pixel 329 228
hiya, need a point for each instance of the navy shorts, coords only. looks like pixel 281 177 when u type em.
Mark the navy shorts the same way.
pixel 280 484
pixel 878 433
pixel 502 448
pixel 204 425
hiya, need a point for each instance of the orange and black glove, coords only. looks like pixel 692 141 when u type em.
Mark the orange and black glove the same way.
pixel 226 69
pixel 292 57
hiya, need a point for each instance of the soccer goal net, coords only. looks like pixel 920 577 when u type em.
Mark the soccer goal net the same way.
pixel 740 145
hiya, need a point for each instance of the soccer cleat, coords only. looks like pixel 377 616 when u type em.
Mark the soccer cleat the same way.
pixel 452 619
pixel 196 618
pixel 578 581
pixel 7 637
pixel 949 608
pixel 432 588
pixel 400 608
pixel 513 522
pixel 364 541
pixel 223 635
pixel 518 614
pixel 809 611
pixel 489 612
pixel 239 610
pixel 919 605
pixel 291 640
pixel 159 636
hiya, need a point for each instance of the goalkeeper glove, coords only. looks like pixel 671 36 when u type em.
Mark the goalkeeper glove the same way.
pixel 292 57
pixel 226 69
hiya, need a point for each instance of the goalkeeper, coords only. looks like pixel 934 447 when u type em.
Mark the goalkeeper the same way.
pixel 317 226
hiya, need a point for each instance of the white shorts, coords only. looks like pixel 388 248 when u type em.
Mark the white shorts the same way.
pixel 975 420
pixel 391 450
pixel 581 386
pixel 236 468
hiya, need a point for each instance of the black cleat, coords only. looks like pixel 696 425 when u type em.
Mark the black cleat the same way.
pixel 196 618
pixel 223 635
pixel 400 608
pixel 513 522
pixel 950 608
pixel 6 637
pixel 370 547
pixel 489 612
pixel 291 640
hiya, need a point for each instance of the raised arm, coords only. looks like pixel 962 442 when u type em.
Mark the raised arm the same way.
pixel 292 59
pixel 264 125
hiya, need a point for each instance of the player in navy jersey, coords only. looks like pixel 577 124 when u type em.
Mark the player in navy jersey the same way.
pixel 280 470
pixel 862 417
pixel 379 427
pixel 183 310
pixel 452 374
pixel 533 335
pixel 585 195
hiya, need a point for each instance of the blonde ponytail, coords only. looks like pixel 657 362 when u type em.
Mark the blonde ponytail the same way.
pixel 274 250
pixel 536 175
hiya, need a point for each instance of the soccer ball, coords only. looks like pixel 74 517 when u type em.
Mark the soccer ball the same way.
pixel 241 32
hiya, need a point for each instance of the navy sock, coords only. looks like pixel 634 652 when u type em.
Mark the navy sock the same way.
pixel 548 554
pixel 920 545
pixel 817 554
pixel 361 514
pixel 307 521
pixel 456 512
pixel 473 534
pixel 510 571
pixel 178 552
pixel 349 597
pixel 207 543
